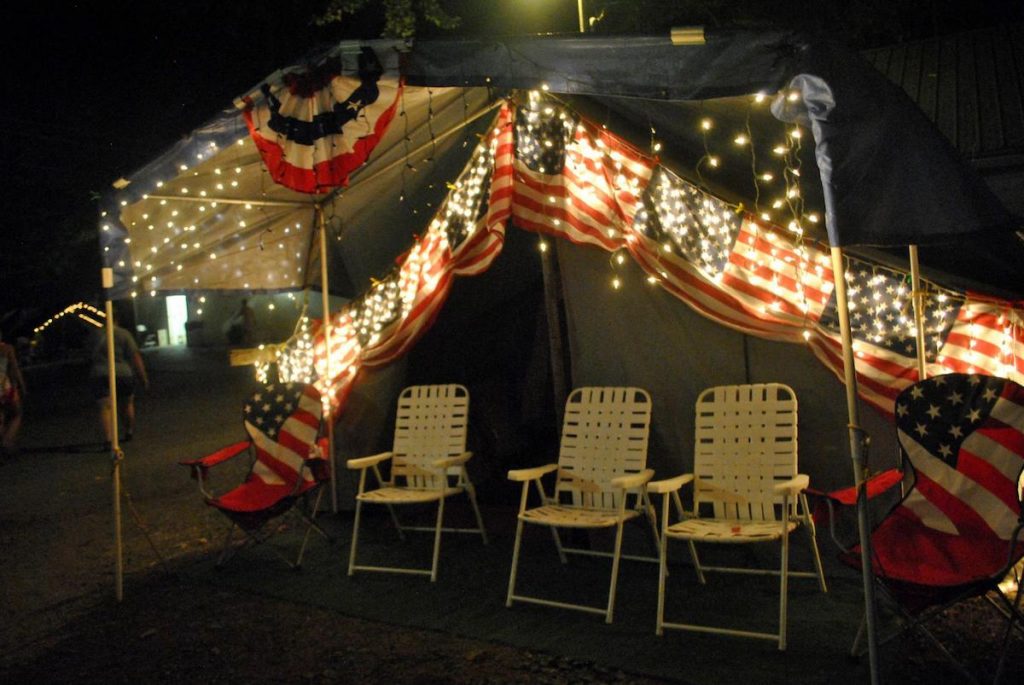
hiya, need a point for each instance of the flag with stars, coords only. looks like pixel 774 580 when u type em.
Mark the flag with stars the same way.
pixel 573 179
pixel 283 421
pixel 964 436
pixel 316 127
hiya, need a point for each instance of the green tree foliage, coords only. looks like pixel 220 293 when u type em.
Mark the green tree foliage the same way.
pixel 401 17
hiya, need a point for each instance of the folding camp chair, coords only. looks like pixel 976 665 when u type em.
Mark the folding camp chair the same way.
pixel 428 453
pixel 746 489
pixel 287 466
pixel 602 461
pixel 955 531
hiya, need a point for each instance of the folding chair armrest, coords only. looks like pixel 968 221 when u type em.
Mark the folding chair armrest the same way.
pixel 531 473
pixel 220 456
pixel 199 467
pixel 453 461
pixel 877 484
pixel 633 480
pixel 669 484
pixel 367 462
pixel 793 486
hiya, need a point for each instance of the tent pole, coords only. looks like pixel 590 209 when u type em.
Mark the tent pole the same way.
pixel 107 277
pixel 918 295
pixel 325 299
pixel 858 444
pixel 553 310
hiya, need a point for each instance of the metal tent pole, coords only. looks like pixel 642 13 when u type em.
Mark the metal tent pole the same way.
pixel 107 277
pixel 325 295
pixel 918 295
pixel 858 457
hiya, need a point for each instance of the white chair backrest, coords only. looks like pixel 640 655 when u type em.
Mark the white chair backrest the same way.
pixel 431 423
pixel 604 436
pixel 745 442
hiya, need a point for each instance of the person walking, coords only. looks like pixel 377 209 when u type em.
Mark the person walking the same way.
pixel 248 317
pixel 12 397
pixel 128 371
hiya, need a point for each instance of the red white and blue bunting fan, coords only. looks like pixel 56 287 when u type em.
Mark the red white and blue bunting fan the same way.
pixel 315 127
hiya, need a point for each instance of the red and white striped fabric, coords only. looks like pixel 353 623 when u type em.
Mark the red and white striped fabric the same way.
pixel 588 194
pixel 424 277
pixel 555 174
pixel 283 421
pixel 315 128
pixel 986 338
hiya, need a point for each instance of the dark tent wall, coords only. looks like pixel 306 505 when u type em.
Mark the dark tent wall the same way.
pixel 492 336
pixel 374 220
pixel 640 335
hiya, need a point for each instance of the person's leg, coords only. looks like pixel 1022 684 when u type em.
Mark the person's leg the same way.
pixel 11 427
pixel 101 393
pixel 104 405
pixel 128 410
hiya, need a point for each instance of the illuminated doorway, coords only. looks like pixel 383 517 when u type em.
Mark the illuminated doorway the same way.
pixel 177 315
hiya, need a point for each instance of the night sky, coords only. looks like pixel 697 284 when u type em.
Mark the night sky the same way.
pixel 94 91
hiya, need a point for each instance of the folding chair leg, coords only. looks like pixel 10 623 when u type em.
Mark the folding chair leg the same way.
pixel 783 587
pixel 226 552
pixel 855 648
pixel 558 545
pixel 398 525
pixel 615 573
pixel 696 563
pixel 355 538
pixel 813 535
pixel 309 528
pixel 437 539
pixel 471 491
pixel 659 626
pixel 1011 620
pixel 515 564
pixel 652 519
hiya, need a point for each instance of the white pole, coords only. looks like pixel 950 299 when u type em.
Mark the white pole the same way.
pixel 918 295
pixel 857 449
pixel 579 9
pixel 107 277
pixel 325 299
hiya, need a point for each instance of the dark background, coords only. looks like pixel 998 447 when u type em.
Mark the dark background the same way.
pixel 92 91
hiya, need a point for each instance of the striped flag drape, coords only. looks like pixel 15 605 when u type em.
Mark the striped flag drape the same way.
pixel 314 128
pixel 463 239
pixel 552 172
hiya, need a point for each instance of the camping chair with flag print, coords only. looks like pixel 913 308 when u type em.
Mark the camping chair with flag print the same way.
pixel 602 464
pixel 287 467
pixel 954 532
pixel 746 489
pixel 428 465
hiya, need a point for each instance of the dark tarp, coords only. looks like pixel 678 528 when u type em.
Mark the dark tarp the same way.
pixel 888 177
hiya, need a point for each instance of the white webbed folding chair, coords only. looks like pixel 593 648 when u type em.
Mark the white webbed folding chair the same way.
pixel 602 462
pixel 746 489
pixel 428 464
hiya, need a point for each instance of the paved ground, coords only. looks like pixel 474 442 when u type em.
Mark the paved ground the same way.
pixel 56 522
pixel 59 622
